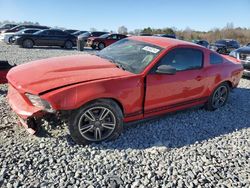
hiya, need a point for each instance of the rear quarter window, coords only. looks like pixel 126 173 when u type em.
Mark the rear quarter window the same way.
pixel 215 59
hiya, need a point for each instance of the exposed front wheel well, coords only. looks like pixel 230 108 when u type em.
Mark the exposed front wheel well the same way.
pixel 107 99
pixel 229 84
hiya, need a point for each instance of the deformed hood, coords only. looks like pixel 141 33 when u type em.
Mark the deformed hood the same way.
pixel 43 75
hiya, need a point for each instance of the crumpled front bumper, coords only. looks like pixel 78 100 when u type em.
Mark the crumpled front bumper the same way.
pixel 26 112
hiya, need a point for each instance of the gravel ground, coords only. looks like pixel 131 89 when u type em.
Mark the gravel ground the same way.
pixel 192 148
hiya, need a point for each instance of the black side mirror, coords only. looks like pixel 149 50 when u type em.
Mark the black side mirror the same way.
pixel 166 69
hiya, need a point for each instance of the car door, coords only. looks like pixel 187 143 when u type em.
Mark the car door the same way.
pixel 111 39
pixel 44 38
pixel 166 92
pixel 60 38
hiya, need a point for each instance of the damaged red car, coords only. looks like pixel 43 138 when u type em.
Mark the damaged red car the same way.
pixel 132 79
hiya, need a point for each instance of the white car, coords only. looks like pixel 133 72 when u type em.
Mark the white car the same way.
pixel 5 37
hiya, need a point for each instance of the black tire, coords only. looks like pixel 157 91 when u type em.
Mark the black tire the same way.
pixel 68 44
pixel 218 97
pixel 101 46
pixel 93 47
pixel 84 128
pixel 27 43
pixel 10 39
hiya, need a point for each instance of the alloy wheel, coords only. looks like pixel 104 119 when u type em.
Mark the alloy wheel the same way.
pixel 220 97
pixel 97 123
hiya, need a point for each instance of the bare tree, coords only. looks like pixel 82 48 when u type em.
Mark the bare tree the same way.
pixel 123 30
pixel 92 29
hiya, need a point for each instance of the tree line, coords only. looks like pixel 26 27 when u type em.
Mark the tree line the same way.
pixel 240 34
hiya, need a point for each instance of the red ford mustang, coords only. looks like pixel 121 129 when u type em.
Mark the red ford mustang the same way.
pixel 132 79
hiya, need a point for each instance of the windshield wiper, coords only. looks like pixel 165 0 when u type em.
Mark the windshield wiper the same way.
pixel 118 64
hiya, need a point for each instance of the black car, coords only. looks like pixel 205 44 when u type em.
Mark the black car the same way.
pixel 23 32
pixel 20 27
pixel 70 31
pixel 243 54
pixel 165 35
pixel 225 46
pixel 202 43
pixel 47 37
pixel 146 34
pixel 7 26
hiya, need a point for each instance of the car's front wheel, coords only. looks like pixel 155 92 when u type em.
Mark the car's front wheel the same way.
pixel 101 46
pixel 95 122
pixel 218 98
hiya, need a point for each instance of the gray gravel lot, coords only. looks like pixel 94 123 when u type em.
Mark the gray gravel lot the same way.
pixel 192 148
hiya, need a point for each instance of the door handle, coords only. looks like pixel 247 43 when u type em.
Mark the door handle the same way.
pixel 199 78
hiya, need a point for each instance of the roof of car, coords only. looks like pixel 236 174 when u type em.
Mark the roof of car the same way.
pixel 162 41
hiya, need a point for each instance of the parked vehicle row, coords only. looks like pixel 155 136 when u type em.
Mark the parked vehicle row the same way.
pixel 6 26
pixel 21 27
pixel 96 40
pixel 8 37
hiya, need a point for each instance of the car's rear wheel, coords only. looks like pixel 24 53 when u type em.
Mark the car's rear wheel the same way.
pixel 101 46
pixel 96 122
pixel 68 45
pixel 27 43
pixel 218 98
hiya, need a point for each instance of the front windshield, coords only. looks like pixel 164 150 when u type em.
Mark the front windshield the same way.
pixel 131 55
pixel 220 42
pixel 20 32
pixel 79 32
pixel 104 36
pixel 86 34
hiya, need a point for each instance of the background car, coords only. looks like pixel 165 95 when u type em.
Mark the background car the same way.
pixel 145 34
pixel 132 79
pixel 243 55
pixel 165 35
pixel 225 46
pixel 82 39
pixel 20 27
pixel 77 33
pixel 47 37
pixel 7 26
pixel 104 40
pixel 70 31
pixel 86 35
pixel 7 37
pixel 202 43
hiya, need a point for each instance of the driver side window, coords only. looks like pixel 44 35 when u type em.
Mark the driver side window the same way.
pixel 183 59
pixel 114 37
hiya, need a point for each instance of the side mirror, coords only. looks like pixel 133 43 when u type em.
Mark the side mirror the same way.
pixel 166 69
